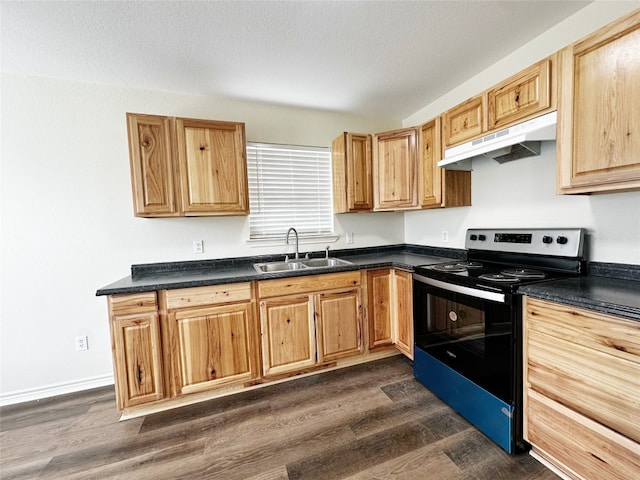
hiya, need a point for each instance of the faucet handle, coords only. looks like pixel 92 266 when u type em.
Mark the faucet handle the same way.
pixel 286 258
pixel 326 253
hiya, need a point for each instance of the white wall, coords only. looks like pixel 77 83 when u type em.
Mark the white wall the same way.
pixel 68 226
pixel 522 193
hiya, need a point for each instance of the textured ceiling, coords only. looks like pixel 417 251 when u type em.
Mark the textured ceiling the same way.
pixel 378 58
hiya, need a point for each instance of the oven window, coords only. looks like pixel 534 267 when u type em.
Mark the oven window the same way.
pixel 473 336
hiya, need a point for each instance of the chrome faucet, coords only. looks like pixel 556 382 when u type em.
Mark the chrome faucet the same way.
pixel 287 240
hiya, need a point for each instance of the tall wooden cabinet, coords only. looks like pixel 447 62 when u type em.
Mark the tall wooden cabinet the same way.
pixel 136 346
pixel 403 299
pixel 598 114
pixel 187 167
pixel 582 390
pixel 352 181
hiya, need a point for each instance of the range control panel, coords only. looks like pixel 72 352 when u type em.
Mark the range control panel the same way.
pixel 564 242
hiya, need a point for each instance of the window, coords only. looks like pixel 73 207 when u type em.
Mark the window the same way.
pixel 289 186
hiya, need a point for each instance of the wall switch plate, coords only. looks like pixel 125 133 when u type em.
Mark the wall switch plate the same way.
pixel 82 343
pixel 445 236
pixel 349 238
pixel 198 246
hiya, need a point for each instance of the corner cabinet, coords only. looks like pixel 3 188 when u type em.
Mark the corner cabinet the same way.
pixel 395 170
pixel 352 180
pixel 209 337
pixel 310 320
pixel 598 114
pixel 187 167
pixel 439 187
pixel 582 390
pixel 136 347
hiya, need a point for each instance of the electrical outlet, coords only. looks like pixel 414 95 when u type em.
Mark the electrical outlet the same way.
pixel 82 343
pixel 198 246
pixel 349 238
pixel 445 236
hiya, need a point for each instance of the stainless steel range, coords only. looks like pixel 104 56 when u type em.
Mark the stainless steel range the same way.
pixel 468 321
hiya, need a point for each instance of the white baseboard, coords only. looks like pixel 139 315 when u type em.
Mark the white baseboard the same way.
pixel 550 466
pixel 53 390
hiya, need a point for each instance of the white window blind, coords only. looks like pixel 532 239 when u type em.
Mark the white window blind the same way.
pixel 289 186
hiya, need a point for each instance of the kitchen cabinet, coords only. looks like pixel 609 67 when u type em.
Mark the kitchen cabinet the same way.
pixel 136 348
pixel 581 390
pixel 598 114
pixel 309 320
pixel 395 170
pixel 527 94
pixel 352 177
pixel 439 187
pixel 403 310
pixel 187 167
pixel 152 168
pixel 390 309
pixel 209 337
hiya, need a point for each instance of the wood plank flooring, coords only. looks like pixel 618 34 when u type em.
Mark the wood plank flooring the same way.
pixel 371 421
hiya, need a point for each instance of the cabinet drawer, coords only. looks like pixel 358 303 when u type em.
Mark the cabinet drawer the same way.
pixel 132 303
pixel 209 295
pixel 585 448
pixel 307 284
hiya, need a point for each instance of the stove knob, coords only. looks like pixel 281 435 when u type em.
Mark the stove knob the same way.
pixel 547 239
pixel 562 240
pixel 473 236
pixel 482 238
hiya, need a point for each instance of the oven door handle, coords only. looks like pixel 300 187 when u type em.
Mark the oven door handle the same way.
pixel 472 292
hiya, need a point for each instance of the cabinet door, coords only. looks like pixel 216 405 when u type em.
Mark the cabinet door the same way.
pixel 288 334
pixel 430 153
pixel 137 359
pixel 380 307
pixel 598 114
pixel 403 290
pixel 213 167
pixel 465 121
pixel 521 96
pixel 352 180
pixel 395 170
pixel 339 325
pixel 211 346
pixel 152 168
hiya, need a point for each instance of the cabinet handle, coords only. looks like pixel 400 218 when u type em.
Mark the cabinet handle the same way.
pixel 202 148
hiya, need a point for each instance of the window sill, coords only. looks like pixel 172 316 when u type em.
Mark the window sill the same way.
pixel 307 240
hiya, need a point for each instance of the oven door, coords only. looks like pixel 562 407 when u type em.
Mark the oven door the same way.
pixel 469 330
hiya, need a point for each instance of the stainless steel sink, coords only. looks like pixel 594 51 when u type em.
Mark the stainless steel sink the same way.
pixel 324 262
pixel 271 267
pixel 278 266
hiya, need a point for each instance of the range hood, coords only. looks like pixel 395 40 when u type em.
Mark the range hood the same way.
pixel 518 141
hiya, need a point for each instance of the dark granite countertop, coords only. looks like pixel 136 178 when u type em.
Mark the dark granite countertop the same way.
pixel 615 296
pixel 171 275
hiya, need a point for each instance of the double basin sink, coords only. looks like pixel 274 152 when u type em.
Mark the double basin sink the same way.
pixel 301 264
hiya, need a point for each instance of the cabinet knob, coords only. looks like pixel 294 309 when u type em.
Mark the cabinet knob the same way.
pixel 201 149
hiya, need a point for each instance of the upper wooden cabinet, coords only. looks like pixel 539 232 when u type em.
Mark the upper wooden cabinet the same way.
pixel 524 95
pixel 187 167
pixel 352 181
pixel 465 121
pixel 438 187
pixel 395 170
pixel 598 113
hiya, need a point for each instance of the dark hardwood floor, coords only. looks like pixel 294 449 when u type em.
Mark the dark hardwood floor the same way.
pixel 371 421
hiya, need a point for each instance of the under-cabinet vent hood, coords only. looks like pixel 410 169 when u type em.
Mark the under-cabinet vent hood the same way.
pixel 518 141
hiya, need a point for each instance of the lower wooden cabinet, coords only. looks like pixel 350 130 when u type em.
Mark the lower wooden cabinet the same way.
pixel 288 334
pixel 320 321
pixel 390 308
pixel 135 342
pixel 582 390
pixel 209 337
